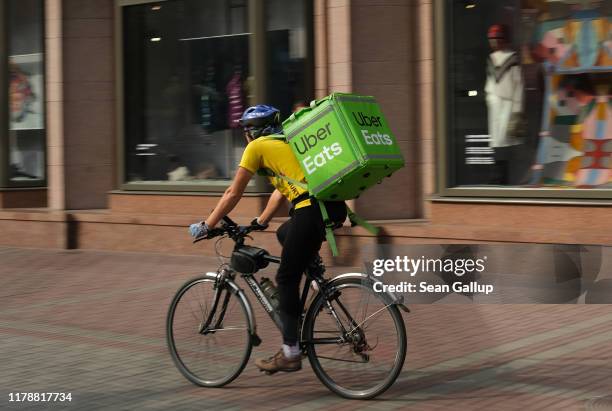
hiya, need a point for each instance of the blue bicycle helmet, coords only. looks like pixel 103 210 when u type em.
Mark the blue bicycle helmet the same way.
pixel 261 120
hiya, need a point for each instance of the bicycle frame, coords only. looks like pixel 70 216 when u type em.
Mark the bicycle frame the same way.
pixel 226 276
pixel 224 281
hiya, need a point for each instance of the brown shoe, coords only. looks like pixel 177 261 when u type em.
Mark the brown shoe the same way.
pixel 278 362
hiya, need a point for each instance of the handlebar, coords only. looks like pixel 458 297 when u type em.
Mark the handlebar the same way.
pixel 229 221
pixel 229 227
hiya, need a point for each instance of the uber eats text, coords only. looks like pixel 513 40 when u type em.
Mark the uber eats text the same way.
pixel 309 141
pixel 369 137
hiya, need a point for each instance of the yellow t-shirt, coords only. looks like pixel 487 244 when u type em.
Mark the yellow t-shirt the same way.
pixel 276 155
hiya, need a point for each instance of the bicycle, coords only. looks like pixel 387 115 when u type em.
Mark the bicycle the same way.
pixel 211 328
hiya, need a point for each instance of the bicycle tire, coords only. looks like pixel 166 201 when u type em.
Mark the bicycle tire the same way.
pixel 186 370
pixel 318 306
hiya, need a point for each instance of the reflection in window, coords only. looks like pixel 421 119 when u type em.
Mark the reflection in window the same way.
pixel 187 80
pixel 290 82
pixel 530 86
pixel 185 85
pixel 26 88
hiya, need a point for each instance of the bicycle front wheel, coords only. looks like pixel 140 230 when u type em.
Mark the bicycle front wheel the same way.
pixel 356 341
pixel 215 355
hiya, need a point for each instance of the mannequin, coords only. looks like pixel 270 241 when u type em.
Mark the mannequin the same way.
pixel 504 97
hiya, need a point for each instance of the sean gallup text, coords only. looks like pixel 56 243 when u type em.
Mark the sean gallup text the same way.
pixel 422 287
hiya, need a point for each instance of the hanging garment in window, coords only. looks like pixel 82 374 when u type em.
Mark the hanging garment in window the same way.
pixel 504 95
pixel 235 100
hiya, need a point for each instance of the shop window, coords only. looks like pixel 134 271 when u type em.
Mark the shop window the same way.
pixel 529 94
pixel 186 68
pixel 188 75
pixel 26 100
pixel 290 66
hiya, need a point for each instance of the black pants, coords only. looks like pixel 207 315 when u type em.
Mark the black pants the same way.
pixel 301 237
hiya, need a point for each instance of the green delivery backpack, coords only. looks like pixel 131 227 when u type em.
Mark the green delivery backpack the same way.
pixel 344 146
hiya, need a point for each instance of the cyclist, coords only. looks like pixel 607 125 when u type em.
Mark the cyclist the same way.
pixel 301 236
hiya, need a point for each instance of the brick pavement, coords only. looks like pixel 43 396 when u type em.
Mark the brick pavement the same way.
pixel 92 323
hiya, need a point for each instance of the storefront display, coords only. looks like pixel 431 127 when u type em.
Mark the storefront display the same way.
pixel 538 115
pixel 189 75
pixel 26 104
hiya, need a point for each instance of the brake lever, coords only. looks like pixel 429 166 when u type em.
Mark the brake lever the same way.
pixel 198 239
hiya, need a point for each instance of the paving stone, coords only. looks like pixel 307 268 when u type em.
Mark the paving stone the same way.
pixel 93 324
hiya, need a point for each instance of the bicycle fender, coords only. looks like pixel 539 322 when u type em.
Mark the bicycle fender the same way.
pixel 239 293
pixel 391 298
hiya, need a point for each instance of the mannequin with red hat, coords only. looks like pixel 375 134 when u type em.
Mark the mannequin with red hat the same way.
pixel 504 93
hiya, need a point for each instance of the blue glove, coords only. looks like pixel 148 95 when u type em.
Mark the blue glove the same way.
pixel 198 230
pixel 255 224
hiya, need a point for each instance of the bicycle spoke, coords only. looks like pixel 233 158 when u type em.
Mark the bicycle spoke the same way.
pixel 198 319
pixel 199 343
pixel 203 311
pixel 365 309
pixel 371 316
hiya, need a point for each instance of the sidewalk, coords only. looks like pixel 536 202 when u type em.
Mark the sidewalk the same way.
pixel 92 324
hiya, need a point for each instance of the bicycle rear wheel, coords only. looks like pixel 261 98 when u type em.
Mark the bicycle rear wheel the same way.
pixel 372 354
pixel 218 355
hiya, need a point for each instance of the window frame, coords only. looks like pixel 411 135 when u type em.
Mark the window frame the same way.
pixel 5 182
pixel 258 68
pixel 443 26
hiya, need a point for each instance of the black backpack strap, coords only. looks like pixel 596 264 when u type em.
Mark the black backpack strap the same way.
pixel 300 198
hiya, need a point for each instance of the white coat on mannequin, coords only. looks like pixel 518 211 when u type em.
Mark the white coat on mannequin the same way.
pixel 504 96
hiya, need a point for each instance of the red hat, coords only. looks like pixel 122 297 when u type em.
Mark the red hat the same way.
pixel 498 31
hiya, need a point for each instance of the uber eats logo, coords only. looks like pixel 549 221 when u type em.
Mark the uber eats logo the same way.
pixel 309 141
pixel 365 120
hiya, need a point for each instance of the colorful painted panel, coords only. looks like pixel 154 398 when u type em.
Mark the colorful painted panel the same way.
pixel 583 42
pixel 575 146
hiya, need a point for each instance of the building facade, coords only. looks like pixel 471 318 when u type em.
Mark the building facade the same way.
pixel 118 124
